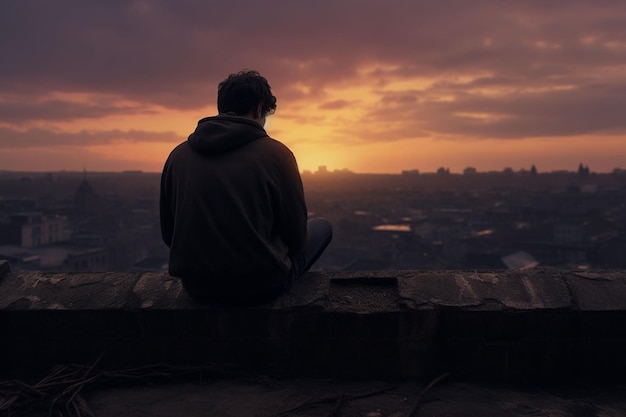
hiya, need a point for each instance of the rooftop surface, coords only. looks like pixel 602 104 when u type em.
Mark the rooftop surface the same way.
pixel 539 342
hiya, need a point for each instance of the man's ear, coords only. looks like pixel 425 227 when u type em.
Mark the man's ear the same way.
pixel 258 111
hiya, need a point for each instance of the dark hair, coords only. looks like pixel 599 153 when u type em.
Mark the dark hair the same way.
pixel 242 92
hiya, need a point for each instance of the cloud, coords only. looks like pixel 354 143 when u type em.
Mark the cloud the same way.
pixel 18 112
pixel 40 138
pixel 498 69
pixel 132 47
pixel 447 110
pixel 334 105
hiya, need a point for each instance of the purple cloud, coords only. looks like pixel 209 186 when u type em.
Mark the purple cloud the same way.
pixel 40 138
pixel 173 54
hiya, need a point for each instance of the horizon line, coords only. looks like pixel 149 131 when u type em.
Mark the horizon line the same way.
pixel 346 171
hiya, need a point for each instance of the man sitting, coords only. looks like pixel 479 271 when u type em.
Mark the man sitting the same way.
pixel 232 205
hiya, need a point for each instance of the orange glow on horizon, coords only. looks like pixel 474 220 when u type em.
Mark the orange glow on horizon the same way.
pixel 349 127
pixel 365 89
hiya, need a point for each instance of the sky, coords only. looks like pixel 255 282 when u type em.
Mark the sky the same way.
pixel 363 85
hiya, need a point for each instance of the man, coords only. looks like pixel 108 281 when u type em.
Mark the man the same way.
pixel 232 204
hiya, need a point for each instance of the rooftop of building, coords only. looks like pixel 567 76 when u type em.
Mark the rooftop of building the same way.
pixel 539 341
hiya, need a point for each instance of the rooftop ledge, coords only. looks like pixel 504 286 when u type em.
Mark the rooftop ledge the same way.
pixel 535 324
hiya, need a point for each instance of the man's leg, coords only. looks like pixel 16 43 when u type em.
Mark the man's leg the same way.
pixel 320 235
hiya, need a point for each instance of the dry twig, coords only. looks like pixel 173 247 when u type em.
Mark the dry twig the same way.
pixel 416 403
pixel 337 399
pixel 60 391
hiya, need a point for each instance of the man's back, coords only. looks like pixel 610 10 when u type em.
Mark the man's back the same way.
pixel 232 209
pixel 232 206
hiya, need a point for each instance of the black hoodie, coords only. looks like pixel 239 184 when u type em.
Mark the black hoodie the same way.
pixel 232 210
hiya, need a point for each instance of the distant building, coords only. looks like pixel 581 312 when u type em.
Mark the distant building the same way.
pixel 411 172
pixel 150 265
pixel 32 229
pixel 55 258
pixel 85 200
pixel 20 259
pixel 609 251
pixel 14 205
pixel 568 233
pixel 322 169
pixel 519 260
pixel 85 260
pixel 87 239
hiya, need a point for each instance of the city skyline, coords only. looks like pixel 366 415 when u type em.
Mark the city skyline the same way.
pixel 324 169
pixel 374 88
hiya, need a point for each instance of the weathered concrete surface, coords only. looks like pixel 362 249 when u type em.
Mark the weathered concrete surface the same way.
pixel 271 397
pixel 598 291
pixel 365 292
pixel 532 289
pixel 539 323
pixel 67 291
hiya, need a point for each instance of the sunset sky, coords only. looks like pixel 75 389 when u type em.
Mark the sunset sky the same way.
pixel 370 86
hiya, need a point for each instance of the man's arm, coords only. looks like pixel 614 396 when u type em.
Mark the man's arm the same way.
pixel 292 216
pixel 165 208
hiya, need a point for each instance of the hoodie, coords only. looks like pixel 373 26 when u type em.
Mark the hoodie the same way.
pixel 232 210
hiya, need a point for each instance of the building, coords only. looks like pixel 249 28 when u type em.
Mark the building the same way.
pixel 32 229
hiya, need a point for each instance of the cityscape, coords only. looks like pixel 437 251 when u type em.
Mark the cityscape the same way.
pixel 98 221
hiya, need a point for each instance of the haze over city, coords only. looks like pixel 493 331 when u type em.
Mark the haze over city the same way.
pixel 368 86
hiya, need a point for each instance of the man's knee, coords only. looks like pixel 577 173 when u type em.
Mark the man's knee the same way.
pixel 321 227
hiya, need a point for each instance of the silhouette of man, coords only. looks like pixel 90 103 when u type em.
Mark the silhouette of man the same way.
pixel 232 205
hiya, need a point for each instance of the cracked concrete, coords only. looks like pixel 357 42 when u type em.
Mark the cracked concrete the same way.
pixel 540 288
pixel 493 324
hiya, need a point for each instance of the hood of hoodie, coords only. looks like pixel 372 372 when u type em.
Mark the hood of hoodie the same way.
pixel 223 133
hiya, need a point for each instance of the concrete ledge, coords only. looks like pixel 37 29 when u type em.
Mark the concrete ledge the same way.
pixel 506 325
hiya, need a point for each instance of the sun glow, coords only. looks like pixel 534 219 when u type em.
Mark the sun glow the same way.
pixel 341 127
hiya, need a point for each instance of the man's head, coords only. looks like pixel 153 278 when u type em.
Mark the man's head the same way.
pixel 246 93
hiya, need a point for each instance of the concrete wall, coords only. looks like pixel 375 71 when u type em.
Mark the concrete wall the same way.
pixel 537 324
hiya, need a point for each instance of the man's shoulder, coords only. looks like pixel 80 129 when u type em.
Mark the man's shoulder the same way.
pixel 179 149
pixel 275 145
